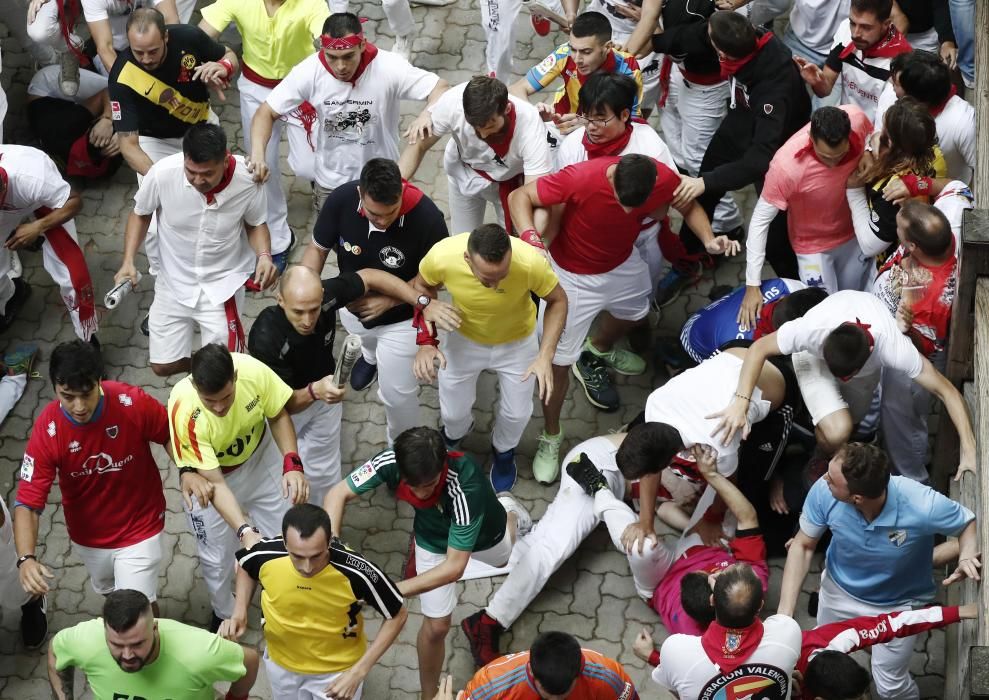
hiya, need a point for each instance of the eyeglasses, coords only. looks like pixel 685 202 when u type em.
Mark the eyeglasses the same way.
pixel 600 123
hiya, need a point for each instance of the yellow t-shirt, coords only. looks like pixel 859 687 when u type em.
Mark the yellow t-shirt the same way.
pixel 203 440
pixel 272 45
pixel 490 316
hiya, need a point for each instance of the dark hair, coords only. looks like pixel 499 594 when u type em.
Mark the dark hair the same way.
pixel 882 9
pixel 607 90
pixel 832 675
pixel 695 597
pixel 830 125
pixel 341 24
pixel 420 454
pixel 381 180
pixel 212 368
pixel 592 24
pixel 556 660
pixel 205 143
pixel 143 18
pixel 490 242
pixel 306 518
pixel 846 350
pixel 648 449
pixel 123 608
pixel 76 365
pixel 732 34
pixel 927 227
pixel 923 76
pixel 484 98
pixel 907 142
pixel 635 177
pixel 865 468
pixel 798 303
pixel 737 596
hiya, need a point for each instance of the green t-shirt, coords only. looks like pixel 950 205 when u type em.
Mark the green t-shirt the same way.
pixel 191 660
pixel 468 515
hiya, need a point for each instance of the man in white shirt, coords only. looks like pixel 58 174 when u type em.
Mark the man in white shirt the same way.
pixel 31 186
pixel 356 90
pixel 497 143
pixel 212 239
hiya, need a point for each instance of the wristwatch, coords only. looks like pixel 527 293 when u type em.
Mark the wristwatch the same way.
pixel 423 301
pixel 246 526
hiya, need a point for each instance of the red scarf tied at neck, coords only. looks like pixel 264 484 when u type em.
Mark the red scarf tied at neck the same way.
pixel 893 44
pixel 612 148
pixel 938 108
pixel 228 175
pixel 411 196
pixel 729 648
pixel 367 55
pixel 404 491
pixel 730 66
pixel 502 141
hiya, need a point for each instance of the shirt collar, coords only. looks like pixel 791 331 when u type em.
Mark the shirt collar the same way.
pixel 371 228
pixel 888 515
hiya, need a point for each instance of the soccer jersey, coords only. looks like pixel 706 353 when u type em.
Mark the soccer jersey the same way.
pixel 313 624
pixel 863 74
pixel 190 660
pixel 468 516
pixel 273 44
pixel 596 233
pixel 560 64
pixel 356 120
pixel 510 678
pixel 491 316
pixel 166 101
pixel 204 440
pixel 32 181
pixel 717 323
pixel 116 12
pixel 110 486
pixel 955 199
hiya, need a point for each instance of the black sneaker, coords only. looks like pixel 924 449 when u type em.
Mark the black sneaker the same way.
pixel 144 327
pixel 34 622
pixel 362 374
pixel 214 623
pixel 483 633
pixel 587 476
pixel 670 352
pixel 592 373
pixel 22 290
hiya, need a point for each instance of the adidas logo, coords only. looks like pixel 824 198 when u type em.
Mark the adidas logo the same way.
pixel 766 447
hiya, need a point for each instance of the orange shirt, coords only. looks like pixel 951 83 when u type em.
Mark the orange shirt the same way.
pixel 509 678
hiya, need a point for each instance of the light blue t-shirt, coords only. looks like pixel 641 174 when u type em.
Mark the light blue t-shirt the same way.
pixel 887 561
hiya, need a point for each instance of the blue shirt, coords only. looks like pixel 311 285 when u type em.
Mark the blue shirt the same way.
pixel 717 323
pixel 887 561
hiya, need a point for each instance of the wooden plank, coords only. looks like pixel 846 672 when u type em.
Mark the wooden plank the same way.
pixel 981 494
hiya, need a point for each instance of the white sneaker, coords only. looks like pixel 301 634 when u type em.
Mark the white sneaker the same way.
pixel 523 521
pixel 16 269
pixel 68 74
pixel 403 47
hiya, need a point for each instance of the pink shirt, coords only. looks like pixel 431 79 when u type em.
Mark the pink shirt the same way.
pixel 812 193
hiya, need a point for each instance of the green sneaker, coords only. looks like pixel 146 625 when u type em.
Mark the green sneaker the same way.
pixel 622 361
pixel 20 359
pixel 546 463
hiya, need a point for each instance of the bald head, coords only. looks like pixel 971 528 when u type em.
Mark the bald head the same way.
pixel 738 596
pixel 300 294
pixel 299 281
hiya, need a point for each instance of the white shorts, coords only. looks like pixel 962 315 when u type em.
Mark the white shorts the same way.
pixel 289 685
pixel 824 394
pixel 623 292
pixel 441 601
pixel 133 567
pixel 171 325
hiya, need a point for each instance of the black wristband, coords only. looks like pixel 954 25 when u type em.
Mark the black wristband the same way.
pixel 186 470
pixel 246 526
pixel 21 560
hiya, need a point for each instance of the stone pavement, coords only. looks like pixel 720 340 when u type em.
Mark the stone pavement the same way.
pixel 591 596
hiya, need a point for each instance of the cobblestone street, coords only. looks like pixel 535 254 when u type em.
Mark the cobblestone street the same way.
pixel 591 596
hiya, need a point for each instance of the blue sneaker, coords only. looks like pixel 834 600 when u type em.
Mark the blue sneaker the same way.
pixel 281 259
pixel 451 444
pixel 21 359
pixel 362 374
pixel 503 471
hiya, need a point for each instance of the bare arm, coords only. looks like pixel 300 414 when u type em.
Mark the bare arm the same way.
pixel 449 571
pixel 130 149
pixel 521 88
pixel 170 10
pixel 522 203
pixel 938 384
pixel 729 494
pixel 553 321
pixel 63 682
pixel 335 501
pixel 345 685
pixel 640 42
pixel 314 258
pixel 412 156
pixel 103 38
pixel 795 571
pixel 734 417
pixel 241 688
pixel 32 573
pixel 283 432
pixel 648 490
pixel 261 126
pixel 134 235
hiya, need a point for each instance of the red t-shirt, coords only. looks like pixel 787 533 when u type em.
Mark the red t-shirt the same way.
pixel 111 488
pixel 596 234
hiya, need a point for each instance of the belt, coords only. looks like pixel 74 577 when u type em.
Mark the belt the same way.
pixel 249 73
pixel 700 78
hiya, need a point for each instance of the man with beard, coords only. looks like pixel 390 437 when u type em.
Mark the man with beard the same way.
pixel 130 653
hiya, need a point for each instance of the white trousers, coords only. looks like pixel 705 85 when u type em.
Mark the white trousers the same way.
pixel 397 12
pixel 568 521
pixel 467 212
pixel 838 269
pixel 465 360
pixel 11 391
pixel 823 394
pixel 498 19
pixel 890 661
pixel 47 31
pixel 258 489
pixel 440 601
pixel 172 325
pixel 701 108
pixel 317 429
pixel 393 349
pixel 301 158
pixel 134 567
pixel 903 418
pixel 12 595
pixel 648 246
pixel 16 20
pixel 288 685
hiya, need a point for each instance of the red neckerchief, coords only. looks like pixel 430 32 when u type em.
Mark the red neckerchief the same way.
pixel 367 55
pixel 893 44
pixel 938 108
pixel 404 491
pixel 411 196
pixel 612 148
pixel 865 329
pixel 764 324
pixel 855 147
pixel 228 175
pixel 730 66
pixel 501 142
pixel 727 647
pixel 5 181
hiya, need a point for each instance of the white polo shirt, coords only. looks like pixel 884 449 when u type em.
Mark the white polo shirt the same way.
pixel 33 181
pixel 892 349
pixel 466 153
pixel 644 141
pixel 117 12
pixel 862 78
pixel 203 247
pixel 356 122
pixel 686 400
pixel 686 669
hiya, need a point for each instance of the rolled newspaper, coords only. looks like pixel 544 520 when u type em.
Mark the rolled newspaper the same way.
pixel 117 294
pixel 348 356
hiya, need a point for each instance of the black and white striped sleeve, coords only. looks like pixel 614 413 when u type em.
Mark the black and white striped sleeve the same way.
pixel 369 583
pixel 268 549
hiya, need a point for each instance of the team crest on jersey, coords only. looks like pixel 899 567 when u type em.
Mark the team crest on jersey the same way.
pixel 27 468
pixel 362 474
pixel 125 400
pixel 897 537
pixel 112 431
pixel 115 111
pixel 51 429
pixel 391 257
pixel 767 108
pixel 733 641
pixel 547 64
pixel 749 681
pixel 74 446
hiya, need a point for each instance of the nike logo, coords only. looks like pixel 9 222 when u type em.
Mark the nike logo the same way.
pixel 148 91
